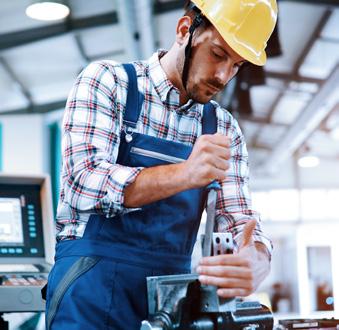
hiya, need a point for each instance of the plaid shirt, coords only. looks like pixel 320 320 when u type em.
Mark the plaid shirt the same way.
pixel 92 182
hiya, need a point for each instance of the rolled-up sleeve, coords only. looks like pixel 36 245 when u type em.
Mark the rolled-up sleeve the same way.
pixel 92 182
pixel 234 206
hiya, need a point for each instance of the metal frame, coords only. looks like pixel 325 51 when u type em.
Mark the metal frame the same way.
pixel 20 38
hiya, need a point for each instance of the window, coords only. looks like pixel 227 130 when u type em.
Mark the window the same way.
pixel 294 205
pixel 277 205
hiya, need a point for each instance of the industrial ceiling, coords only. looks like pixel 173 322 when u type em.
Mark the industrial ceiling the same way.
pixel 294 110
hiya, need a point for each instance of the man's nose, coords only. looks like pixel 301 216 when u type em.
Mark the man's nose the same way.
pixel 224 72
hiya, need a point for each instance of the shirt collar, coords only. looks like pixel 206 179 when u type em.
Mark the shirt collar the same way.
pixel 168 93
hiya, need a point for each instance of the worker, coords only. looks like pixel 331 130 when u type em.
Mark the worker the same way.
pixel 140 144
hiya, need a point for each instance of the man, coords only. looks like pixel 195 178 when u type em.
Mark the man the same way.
pixel 140 144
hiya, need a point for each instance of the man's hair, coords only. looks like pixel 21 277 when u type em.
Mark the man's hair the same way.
pixel 192 11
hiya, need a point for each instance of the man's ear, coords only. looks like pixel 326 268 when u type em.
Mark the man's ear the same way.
pixel 182 31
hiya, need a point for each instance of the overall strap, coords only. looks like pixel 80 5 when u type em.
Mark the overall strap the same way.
pixel 209 119
pixel 134 97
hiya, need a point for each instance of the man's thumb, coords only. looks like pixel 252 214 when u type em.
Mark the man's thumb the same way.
pixel 247 236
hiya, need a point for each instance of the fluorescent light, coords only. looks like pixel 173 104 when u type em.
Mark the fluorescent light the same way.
pixel 308 161
pixel 47 11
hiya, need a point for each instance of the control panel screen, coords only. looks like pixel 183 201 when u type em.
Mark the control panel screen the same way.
pixel 21 229
pixel 11 232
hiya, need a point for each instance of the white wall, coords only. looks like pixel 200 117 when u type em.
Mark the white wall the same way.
pixel 24 144
pixel 284 259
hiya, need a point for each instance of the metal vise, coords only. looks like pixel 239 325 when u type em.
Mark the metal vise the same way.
pixel 180 302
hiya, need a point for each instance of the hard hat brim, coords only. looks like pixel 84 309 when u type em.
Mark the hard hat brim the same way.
pixel 244 52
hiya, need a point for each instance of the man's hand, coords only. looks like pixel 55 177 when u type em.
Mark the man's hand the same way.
pixel 237 274
pixel 208 160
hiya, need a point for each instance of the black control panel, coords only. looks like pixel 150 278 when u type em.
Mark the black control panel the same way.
pixel 21 232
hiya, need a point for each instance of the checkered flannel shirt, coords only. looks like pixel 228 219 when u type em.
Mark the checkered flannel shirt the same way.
pixel 91 180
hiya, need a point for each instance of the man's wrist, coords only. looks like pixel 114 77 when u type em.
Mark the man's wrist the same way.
pixel 182 176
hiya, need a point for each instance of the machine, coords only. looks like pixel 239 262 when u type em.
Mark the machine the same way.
pixel 26 241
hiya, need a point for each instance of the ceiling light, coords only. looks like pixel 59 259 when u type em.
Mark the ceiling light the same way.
pixel 308 161
pixel 47 10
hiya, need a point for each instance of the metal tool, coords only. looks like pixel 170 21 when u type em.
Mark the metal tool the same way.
pixel 214 243
pixel 210 209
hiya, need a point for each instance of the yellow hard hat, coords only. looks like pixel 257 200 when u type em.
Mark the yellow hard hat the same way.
pixel 245 25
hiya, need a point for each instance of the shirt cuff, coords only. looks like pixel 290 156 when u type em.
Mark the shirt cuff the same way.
pixel 120 178
pixel 256 238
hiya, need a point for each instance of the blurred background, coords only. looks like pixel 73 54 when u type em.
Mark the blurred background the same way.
pixel 288 111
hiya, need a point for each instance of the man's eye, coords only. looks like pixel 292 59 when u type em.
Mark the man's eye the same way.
pixel 217 55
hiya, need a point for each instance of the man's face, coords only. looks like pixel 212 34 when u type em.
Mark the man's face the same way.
pixel 213 64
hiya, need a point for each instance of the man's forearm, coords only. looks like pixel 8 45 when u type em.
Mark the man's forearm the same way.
pixel 155 183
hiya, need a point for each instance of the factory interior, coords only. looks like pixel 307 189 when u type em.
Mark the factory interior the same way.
pixel 288 112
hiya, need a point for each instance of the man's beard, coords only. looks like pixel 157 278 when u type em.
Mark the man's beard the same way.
pixel 192 89
pixel 198 95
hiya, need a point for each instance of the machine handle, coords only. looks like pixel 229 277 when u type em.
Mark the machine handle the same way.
pixel 212 188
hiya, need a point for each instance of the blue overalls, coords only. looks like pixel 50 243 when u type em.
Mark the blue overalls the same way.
pixel 99 281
